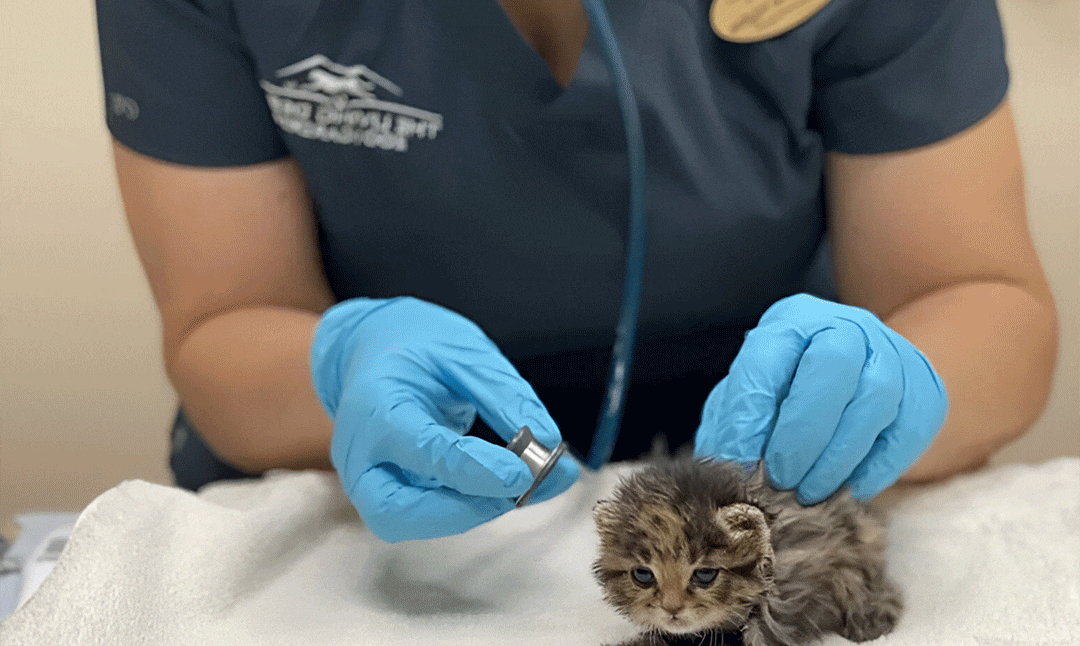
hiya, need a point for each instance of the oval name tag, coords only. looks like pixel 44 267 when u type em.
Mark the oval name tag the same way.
pixel 748 21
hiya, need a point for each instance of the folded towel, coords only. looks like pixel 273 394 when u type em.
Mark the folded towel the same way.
pixel 988 559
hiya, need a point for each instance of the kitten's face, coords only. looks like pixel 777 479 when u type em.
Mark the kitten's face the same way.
pixel 666 571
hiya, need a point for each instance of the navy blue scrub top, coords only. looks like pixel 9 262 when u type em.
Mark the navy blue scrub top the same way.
pixel 446 162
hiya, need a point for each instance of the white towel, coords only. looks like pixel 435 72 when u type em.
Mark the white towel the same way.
pixel 989 559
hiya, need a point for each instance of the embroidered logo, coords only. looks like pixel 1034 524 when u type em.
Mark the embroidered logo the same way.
pixel 123 106
pixel 325 101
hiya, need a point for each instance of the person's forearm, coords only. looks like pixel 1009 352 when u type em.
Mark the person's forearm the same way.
pixel 994 345
pixel 243 378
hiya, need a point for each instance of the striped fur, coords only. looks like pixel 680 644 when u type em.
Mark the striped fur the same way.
pixel 785 574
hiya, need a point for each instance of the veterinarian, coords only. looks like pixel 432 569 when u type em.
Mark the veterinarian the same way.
pixel 368 224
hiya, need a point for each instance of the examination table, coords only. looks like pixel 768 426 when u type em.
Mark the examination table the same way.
pixel 986 559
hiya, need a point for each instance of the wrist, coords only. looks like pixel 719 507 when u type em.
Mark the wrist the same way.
pixel 994 346
pixel 333 342
pixel 243 379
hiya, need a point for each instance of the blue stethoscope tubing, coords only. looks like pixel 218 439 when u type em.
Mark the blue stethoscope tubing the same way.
pixel 607 427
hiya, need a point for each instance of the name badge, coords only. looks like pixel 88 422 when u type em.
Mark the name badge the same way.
pixel 749 21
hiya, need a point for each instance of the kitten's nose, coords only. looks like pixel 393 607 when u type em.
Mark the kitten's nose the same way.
pixel 672 607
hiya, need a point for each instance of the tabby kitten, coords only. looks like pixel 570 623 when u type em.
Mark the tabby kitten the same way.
pixel 696 550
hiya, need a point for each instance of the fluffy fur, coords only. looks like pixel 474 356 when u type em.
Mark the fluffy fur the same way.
pixel 699 551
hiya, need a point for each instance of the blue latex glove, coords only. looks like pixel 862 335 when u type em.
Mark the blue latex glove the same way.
pixel 828 395
pixel 403 380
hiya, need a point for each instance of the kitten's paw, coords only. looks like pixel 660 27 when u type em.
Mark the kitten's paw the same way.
pixel 880 619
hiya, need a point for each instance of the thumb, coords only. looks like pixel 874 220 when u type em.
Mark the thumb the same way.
pixel 439 456
pixel 740 413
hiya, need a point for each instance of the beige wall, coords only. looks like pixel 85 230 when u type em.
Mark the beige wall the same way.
pixel 84 403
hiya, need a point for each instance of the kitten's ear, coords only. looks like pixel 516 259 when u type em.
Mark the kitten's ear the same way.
pixel 742 520
pixel 603 512
pixel 747 536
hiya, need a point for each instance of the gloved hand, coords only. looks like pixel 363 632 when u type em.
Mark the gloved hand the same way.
pixel 403 380
pixel 828 395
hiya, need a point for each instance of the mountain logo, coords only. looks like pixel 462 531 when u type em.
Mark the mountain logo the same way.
pixel 319 99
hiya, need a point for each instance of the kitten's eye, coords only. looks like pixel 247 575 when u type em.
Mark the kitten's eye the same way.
pixel 643 575
pixel 705 575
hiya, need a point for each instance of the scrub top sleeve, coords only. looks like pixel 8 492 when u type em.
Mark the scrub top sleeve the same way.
pixel 905 74
pixel 180 86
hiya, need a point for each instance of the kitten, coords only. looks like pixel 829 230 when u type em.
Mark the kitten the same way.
pixel 697 550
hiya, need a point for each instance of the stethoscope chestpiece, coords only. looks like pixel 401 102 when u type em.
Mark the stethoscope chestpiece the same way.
pixel 536 456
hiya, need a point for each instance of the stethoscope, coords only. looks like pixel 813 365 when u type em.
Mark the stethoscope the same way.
pixel 607 426
pixel 538 457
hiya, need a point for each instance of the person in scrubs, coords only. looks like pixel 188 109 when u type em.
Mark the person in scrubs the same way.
pixel 383 236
